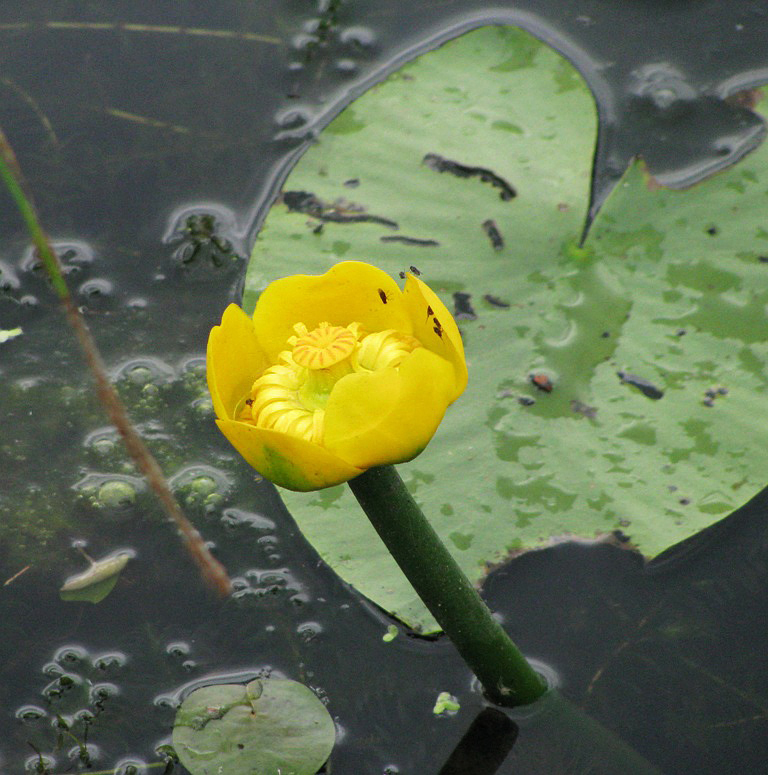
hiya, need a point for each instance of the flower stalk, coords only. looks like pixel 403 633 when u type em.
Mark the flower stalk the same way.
pixel 503 671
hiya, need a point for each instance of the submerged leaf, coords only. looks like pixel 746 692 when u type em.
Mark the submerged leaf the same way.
pixel 94 584
pixel 9 333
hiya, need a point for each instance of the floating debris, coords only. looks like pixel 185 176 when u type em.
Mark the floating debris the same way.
pixel 462 307
pixel 542 382
pixel 494 235
pixel 446 705
pixel 9 333
pixel 646 387
pixel 579 407
pixel 440 164
pixel 495 301
pixel 94 584
pixel 337 212
pixel 390 634
pixel 420 243
pixel 712 393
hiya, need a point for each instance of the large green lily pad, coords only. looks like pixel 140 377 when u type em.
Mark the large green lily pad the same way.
pixel 668 291
pixel 265 728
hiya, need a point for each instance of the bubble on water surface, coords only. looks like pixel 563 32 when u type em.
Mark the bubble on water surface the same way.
pixel 662 83
pixel 358 38
pixel 70 655
pixel 144 371
pixel 29 713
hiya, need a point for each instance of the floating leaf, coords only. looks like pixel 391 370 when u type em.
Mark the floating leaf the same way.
pixel 9 333
pixel 94 584
pixel 613 387
pixel 270 726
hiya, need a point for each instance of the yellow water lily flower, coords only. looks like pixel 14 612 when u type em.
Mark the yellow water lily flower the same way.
pixel 334 374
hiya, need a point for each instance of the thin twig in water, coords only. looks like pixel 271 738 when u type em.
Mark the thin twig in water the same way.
pixel 161 29
pixel 211 569
pixel 16 575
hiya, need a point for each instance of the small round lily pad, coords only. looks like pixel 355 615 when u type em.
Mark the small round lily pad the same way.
pixel 266 727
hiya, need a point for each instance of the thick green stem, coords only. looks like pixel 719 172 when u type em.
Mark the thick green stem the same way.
pixel 499 665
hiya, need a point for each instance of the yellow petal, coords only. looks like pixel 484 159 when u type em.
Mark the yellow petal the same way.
pixel 388 416
pixel 347 292
pixel 427 311
pixel 291 462
pixel 234 360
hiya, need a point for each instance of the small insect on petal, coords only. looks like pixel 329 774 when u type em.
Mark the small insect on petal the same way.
pixel 383 296
pixel 415 270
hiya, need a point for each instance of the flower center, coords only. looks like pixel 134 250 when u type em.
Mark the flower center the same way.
pixel 324 347
pixel 290 397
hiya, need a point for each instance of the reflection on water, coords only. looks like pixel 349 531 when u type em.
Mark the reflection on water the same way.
pixel 129 130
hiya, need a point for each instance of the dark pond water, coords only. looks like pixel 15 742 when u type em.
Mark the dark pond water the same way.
pixel 153 136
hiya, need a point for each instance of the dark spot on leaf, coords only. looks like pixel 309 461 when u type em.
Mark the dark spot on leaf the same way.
pixel 746 98
pixel 526 401
pixel 646 387
pixel 579 407
pixel 462 307
pixel 495 301
pixel 352 183
pixel 711 230
pixel 335 212
pixel 440 164
pixel 494 235
pixel 421 243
